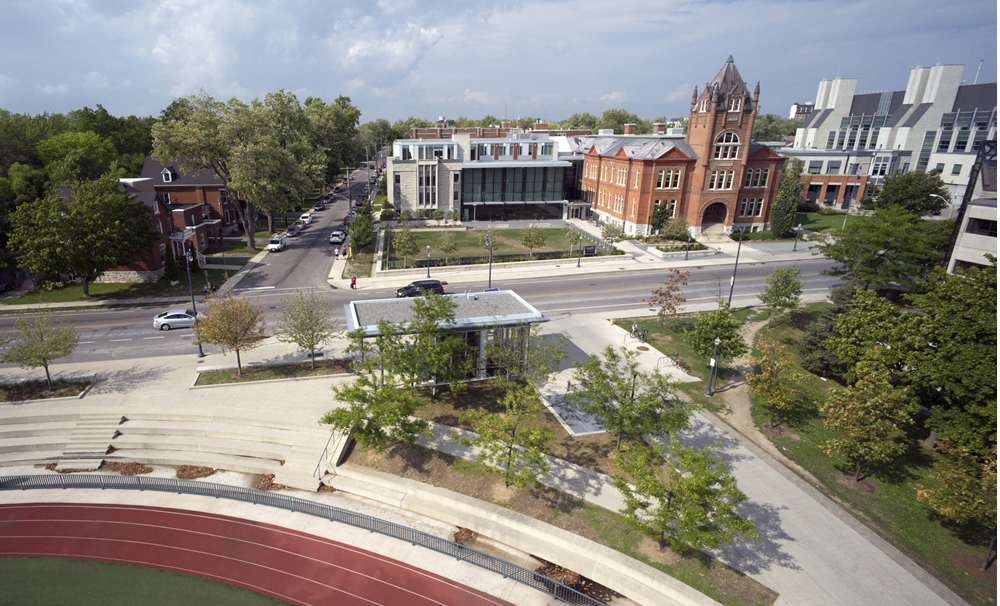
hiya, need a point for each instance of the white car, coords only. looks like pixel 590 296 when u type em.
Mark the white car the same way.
pixel 176 318
pixel 277 244
pixel 338 237
pixel 306 219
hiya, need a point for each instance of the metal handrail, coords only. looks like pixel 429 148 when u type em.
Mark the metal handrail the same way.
pixel 358 520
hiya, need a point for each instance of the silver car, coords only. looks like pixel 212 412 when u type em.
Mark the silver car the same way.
pixel 176 318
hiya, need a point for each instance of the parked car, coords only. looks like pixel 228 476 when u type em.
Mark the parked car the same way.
pixel 336 190
pixel 319 206
pixel 277 244
pixel 293 230
pixel 344 182
pixel 338 237
pixel 306 219
pixel 347 220
pixel 176 318
pixel 420 287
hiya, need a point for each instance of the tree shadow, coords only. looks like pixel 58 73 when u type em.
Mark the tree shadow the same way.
pixel 899 470
pixel 126 379
pixel 756 556
pixel 556 500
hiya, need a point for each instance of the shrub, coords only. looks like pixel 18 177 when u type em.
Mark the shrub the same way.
pixel 387 215
pixel 756 235
pixel 807 207
pixel 828 211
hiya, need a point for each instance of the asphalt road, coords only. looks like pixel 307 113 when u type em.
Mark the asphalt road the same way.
pixel 110 334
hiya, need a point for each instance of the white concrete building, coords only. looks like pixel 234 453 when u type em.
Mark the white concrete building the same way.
pixel 853 140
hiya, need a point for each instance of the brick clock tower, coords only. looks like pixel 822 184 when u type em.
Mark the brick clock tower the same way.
pixel 722 189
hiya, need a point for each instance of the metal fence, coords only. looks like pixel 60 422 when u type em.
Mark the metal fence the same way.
pixel 414 263
pixel 607 246
pixel 334 514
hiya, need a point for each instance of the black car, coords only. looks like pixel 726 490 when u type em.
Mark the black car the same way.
pixel 420 287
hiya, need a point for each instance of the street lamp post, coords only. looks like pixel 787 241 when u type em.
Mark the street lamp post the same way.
pixel 428 260
pixel 711 374
pixel 797 230
pixel 489 242
pixel 946 201
pixel 579 251
pixel 847 214
pixel 732 281
pixel 188 255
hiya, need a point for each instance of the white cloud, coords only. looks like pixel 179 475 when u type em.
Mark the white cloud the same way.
pixel 476 96
pixel 399 49
pixel 6 81
pixel 614 98
pixel 682 92
pixel 95 80
pixel 58 89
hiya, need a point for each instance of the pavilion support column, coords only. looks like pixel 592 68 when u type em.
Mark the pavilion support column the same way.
pixel 481 358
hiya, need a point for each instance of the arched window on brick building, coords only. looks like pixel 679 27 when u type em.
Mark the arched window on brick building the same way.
pixel 727 146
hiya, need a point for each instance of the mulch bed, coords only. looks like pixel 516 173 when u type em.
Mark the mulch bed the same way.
pixel 52 467
pixel 865 486
pixel 464 536
pixel 780 430
pixel 267 373
pixel 127 469
pixel 578 582
pixel 39 390
pixel 193 472
pixel 266 482
pixel 970 563
pixel 326 488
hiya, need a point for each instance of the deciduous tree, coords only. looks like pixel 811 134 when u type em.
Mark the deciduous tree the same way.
pixel 362 232
pixel 721 324
pixel 868 415
pixel 889 246
pixel 612 233
pixel 965 489
pixel 307 320
pixel 532 237
pixel 403 243
pixel 511 443
pixel 98 229
pixel 668 297
pixel 37 340
pixel 448 244
pixel 233 324
pixel 915 192
pixel 689 502
pixel 629 400
pixel 433 350
pixel 521 353
pixel 773 375
pixel 782 291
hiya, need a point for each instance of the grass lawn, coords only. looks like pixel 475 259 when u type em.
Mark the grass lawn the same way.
pixel 114 290
pixel 39 390
pixel 91 583
pixel 817 222
pixel 508 241
pixel 672 343
pixel 361 264
pixel 886 499
pixel 265 373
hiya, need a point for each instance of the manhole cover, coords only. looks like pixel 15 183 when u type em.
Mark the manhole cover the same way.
pixel 642 348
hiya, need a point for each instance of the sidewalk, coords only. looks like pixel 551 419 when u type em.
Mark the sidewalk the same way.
pixel 811 551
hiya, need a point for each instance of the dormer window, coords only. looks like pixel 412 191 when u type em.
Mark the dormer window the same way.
pixel 704 105
pixel 167 175
pixel 734 105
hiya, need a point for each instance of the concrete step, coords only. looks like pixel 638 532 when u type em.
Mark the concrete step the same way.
pixel 70 463
pixel 18 417
pixel 176 458
pixel 29 444
pixel 246 448
pixel 29 457
pixel 253 419
pixel 26 430
pixel 209 429
pixel 359 487
pixel 296 479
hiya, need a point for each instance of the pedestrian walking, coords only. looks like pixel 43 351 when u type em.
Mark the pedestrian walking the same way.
pixel 354 282
pixel 336 253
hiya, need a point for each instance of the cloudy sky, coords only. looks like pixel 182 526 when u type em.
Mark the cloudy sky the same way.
pixel 546 59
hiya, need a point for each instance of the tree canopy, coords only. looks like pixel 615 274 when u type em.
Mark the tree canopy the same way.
pixel 37 340
pixel 917 193
pixel 772 127
pixel 786 202
pixel 99 228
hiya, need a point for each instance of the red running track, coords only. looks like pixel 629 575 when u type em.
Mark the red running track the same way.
pixel 287 564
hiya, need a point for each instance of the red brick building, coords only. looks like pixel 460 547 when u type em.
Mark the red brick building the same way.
pixel 714 177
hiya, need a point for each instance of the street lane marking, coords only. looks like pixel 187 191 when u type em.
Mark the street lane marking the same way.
pixel 85 342
pixel 146 338
pixel 117 340
pixel 254 288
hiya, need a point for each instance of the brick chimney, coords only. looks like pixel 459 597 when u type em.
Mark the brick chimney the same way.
pixel 505 124
pixel 630 129
pixel 659 128
pixel 519 123
pixel 539 125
